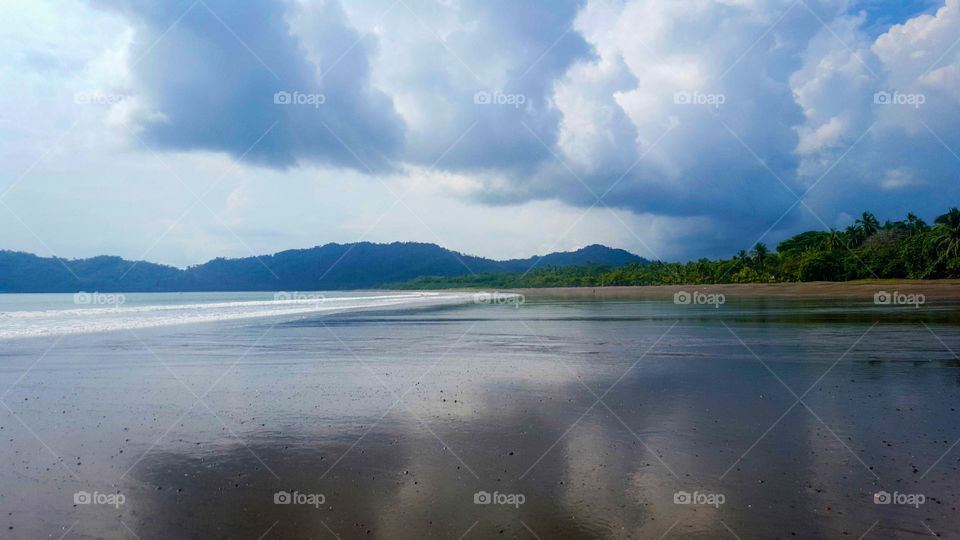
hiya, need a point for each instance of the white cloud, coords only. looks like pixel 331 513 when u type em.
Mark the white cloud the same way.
pixel 824 136
pixel 798 96
pixel 898 179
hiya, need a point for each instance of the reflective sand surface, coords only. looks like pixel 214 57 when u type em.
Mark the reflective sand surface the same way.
pixel 785 416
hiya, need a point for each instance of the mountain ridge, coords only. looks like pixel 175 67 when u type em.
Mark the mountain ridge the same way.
pixel 332 266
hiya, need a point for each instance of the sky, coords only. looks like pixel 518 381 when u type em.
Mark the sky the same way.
pixel 179 131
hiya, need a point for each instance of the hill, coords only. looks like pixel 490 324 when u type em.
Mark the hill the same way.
pixel 328 267
pixel 867 250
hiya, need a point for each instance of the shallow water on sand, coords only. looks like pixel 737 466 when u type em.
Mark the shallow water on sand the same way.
pixel 787 415
pixel 34 315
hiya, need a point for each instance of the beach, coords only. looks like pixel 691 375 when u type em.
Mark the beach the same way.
pixel 934 288
pixel 557 417
pixel 444 269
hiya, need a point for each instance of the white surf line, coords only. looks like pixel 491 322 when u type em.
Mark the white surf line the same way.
pixel 82 321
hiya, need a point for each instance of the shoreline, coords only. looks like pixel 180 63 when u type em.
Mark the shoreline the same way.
pixel 939 288
pixel 933 288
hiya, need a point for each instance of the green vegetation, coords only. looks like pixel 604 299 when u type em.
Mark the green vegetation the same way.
pixel 908 249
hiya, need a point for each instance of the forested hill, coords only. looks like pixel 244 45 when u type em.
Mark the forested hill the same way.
pixel 868 249
pixel 328 267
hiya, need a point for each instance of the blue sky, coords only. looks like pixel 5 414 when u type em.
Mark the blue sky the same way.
pixel 881 14
pixel 183 130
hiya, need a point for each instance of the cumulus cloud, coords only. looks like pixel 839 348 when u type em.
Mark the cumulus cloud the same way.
pixel 737 108
pixel 897 179
pixel 709 115
pixel 209 74
pixel 474 80
pixel 776 92
pixel 896 114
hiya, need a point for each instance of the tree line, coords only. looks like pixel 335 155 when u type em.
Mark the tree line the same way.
pixel 905 249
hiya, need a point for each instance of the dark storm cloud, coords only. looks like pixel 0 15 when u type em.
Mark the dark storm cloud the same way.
pixel 568 100
pixel 211 77
pixel 503 50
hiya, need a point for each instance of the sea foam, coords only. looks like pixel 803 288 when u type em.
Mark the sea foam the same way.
pixel 17 324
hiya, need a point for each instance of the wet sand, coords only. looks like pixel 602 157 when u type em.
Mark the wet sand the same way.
pixel 937 288
pixel 400 419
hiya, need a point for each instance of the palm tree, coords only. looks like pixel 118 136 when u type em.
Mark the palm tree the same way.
pixel 916 225
pixel 742 255
pixel 899 227
pixel 948 232
pixel 759 253
pixel 951 218
pixel 868 224
pixel 836 239
pixel 855 235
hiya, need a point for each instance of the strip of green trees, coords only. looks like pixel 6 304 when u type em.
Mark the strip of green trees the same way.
pixel 909 249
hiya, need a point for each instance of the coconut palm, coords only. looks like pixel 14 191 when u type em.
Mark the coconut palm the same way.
pixel 916 225
pixel 951 218
pixel 760 253
pixel 948 233
pixel 855 235
pixel 868 224
pixel 836 240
